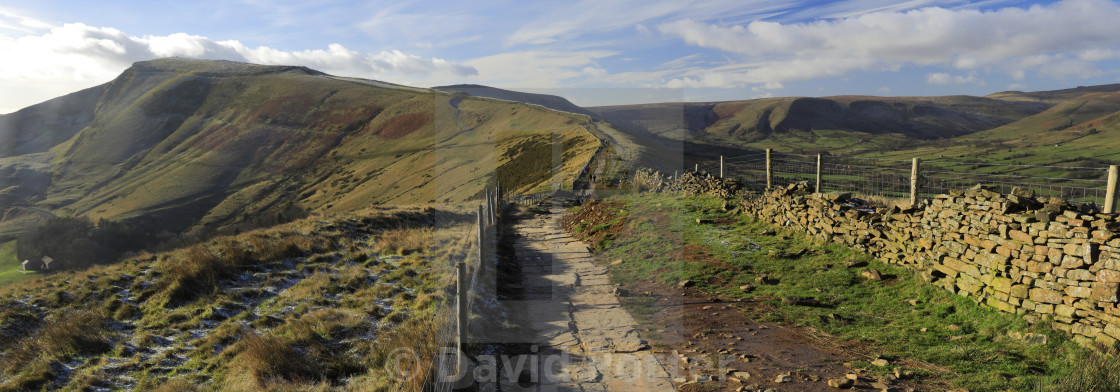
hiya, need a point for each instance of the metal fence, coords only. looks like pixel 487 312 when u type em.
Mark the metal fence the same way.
pixel 892 178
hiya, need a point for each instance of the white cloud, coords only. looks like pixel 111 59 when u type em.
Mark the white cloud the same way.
pixel 1017 87
pixel 1098 54
pixel 1015 40
pixel 944 78
pixel 13 21
pixel 539 68
pixel 564 21
pixel 680 61
pixel 73 56
pixel 884 90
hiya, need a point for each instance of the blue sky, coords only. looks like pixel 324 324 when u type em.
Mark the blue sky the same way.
pixel 595 52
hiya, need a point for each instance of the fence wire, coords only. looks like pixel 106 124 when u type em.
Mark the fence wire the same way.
pixel 890 178
pixel 444 330
pixel 478 258
pixel 441 331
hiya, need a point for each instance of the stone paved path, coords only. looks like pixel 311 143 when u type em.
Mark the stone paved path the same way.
pixel 586 338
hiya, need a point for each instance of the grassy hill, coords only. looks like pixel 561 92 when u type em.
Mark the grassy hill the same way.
pixel 196 145
pixel 1053 97
pixel 549 101
pixel 1079 131
pixel 838 124
pixel 1075 127
pixel 313 304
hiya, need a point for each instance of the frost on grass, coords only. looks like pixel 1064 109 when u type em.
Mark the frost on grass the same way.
pixel 310 304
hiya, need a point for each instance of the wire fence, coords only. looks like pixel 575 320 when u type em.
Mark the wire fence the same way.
pixel 436 356
pixel 891 178
pixel 445 362
pixel 424 362
pixel 470 283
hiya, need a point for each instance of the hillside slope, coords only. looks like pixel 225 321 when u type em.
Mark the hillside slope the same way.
pixel 1079 131
pixel 549 101
pixel 177 144
pixel 1046 127
pixel 819 124
pixel 306 305
pixel 37 128
pixel 1053 97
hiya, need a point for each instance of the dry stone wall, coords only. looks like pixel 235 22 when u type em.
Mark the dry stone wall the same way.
pixel 694 183
pixel 1043 258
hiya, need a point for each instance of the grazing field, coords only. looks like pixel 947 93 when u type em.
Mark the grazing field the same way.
pixel 10 265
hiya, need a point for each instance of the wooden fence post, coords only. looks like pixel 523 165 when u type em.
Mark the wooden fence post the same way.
pixel 462 314
pixel 696 168
pixel 721 166
pixel 1110 197
pixel 914 182
pixel 769 171
pixel 491 205
pixel 493 209
pixel 818 189
pixel 481 232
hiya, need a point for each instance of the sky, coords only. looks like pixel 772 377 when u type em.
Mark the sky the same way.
pixel 595 52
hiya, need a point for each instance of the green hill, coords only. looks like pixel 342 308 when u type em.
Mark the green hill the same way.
pixel 836 124
pixel 197 145
pixel 1079 131
pixel 1054 96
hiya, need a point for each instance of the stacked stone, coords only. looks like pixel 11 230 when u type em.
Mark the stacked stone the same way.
pixel 1040 257
pixel 693 183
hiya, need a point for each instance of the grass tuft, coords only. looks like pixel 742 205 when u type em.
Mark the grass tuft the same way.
pixel 269 359
pixel 403 241
pixel 31 362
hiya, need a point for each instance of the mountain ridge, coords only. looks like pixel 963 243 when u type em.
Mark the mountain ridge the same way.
pixel 194 145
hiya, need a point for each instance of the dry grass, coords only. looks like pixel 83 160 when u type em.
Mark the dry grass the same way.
pixel 65 335
pixel 331 329
pixel 269 249
pixel 404 240
pixel 268 359
pixel 324 324
pixel 415 336
pixel 1093 371
pixel 192 272
pixel 176 385
pixel 196 270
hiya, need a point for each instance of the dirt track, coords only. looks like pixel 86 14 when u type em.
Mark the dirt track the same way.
pixel 576 318
pixel 708 343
